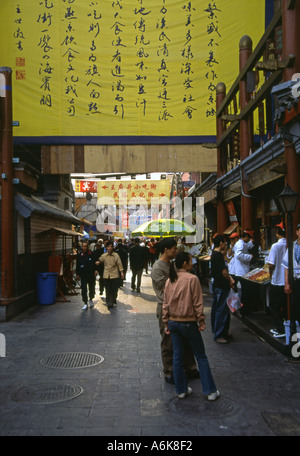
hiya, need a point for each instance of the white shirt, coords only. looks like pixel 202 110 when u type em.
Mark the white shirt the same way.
pixel 231 264
pixel 285 261
pixel 242 257
pixel 195 250
pixel 276 255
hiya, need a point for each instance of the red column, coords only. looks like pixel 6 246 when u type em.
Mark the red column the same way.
pixel 247 218
pixel 221 209
pixel 291 45
pixel 7 203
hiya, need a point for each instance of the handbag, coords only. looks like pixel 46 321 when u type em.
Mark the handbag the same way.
pixel 234 301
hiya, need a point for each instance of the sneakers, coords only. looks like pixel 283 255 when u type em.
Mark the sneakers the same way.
pixel 91 304
pixel 213 396
pixel 221 340
pixel 276 333
pixel 187 393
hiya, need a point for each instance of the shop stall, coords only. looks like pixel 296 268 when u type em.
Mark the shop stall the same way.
pixel 256 289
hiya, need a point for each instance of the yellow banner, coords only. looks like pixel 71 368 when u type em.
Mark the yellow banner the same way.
pixel 133 191
pixel 122 68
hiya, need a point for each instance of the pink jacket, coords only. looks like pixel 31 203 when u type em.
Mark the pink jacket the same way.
pixel 183 299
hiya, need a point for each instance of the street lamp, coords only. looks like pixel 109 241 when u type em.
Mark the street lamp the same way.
pixel 286 202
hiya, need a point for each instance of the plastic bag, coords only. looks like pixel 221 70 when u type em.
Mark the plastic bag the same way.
pixel 234 301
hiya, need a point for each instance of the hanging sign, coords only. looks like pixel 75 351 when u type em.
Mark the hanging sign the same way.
pixel 126 68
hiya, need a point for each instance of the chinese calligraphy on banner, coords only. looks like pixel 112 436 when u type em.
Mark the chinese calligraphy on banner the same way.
pixel 122 67
pixel 133 191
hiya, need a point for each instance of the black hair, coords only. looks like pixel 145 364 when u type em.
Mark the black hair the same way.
pixel 179 260
pixel 280 231
pixel 218 239
pixel 166 243
pixel 109 243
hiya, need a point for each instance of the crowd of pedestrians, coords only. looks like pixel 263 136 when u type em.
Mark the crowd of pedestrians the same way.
pixel 109 262
pixel 176 282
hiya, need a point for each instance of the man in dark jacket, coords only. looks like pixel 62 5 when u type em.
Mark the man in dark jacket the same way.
pixel 123 254
pixel 137 258
pixel 85 270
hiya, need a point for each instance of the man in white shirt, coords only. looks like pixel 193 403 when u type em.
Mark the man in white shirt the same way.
pixel 242 255
pixel 277 294
pixel 194 250
pixel 296 264
pixel 242 266
pixel 230 255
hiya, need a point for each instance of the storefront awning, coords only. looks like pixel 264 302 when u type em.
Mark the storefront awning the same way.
pixel 231 228
pixel 62 231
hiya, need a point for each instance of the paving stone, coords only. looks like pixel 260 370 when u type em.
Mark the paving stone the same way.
pixel 126 394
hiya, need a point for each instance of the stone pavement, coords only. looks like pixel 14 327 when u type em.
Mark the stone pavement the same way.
pixel 69 372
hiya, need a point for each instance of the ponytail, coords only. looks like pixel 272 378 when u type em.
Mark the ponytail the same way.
pixel 173 273
pixel 181 258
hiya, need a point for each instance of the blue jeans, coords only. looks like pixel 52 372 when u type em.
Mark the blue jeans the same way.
pixel 220 314
pixel 189 332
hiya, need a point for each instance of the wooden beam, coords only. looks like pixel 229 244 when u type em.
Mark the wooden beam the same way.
pixel 129 159
pixel 253 104
pixel 255 56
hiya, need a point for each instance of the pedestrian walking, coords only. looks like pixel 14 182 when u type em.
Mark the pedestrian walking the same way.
pixel 220 314
pixel 160 273
pixel 122 251
pixel 278 300
pixel 146 256
pixel 183 318
pixel 136 257
pixel 113 269
pixel 99 250
pixel 85 270
pixel 152 251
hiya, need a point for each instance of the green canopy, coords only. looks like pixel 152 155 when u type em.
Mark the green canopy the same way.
pixel 163 228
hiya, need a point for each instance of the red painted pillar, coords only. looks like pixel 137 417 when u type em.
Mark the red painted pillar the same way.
pixel 247 212
pixel 291 46
pixel 221 209
pixel 7 203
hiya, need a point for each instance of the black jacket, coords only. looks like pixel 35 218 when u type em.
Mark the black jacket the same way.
pixel 137 257
pixel 85 265
pixel 123 254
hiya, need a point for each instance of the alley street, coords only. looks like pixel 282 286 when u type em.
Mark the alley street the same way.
pixel 98 372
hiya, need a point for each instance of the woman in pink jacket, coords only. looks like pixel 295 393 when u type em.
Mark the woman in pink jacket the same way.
pixel 183 318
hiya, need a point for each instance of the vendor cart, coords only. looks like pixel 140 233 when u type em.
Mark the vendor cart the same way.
pixel 256 289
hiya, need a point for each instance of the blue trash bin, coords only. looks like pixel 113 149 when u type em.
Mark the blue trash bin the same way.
pixel 46 287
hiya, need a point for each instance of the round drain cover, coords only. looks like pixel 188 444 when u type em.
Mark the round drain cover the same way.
pixel 55 331
pixel 73 360
pixel 198 407
pixel 48 393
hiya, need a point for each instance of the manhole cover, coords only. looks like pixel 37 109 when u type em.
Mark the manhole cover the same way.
pixel 55 331
pixel 198 407
pixel 71 360
pixel 48 393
